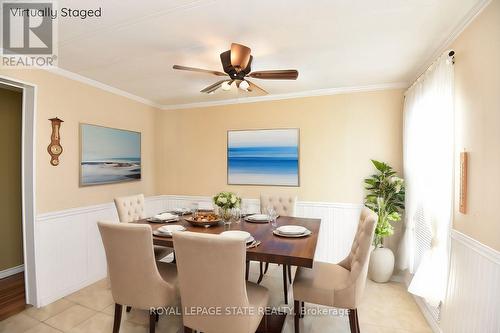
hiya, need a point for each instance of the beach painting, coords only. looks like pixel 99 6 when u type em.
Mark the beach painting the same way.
pixel 109 155
pixel 263 157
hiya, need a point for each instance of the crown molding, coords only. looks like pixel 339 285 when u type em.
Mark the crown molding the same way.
pixel 83 79
pixel 308 93
pixel 457 31
pixel 301 94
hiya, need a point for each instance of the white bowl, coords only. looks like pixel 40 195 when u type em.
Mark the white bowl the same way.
pixel 238 234
pixel 291 230
pixel 169 229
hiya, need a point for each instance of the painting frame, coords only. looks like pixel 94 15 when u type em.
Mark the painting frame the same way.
pixel 81 151
pixel 298 183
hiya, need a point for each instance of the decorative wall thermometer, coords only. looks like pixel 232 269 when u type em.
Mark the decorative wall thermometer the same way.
pixel 54 147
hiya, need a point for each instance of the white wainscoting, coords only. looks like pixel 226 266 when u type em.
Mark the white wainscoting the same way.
pixel 70 255
pixel 473 298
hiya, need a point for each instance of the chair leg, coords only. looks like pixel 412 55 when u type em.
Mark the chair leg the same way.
pixel 118 318
pixel 302 309
pixel 247 270
pixel 357 322
pixel 289 273
pixel 285 284
pixel 128 308
pixel 152 321
pixel 261 275
pixel 297 308
pixel 353 321
pixel 266 267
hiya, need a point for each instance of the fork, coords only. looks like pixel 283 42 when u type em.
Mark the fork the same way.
pixel 255 243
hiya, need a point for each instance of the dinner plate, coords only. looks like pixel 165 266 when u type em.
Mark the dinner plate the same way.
pixel 258 217
pixel 167 230
pixel 165 216
pixel 239 235
pixel 291 230
pixel 255 221
pixel 277 233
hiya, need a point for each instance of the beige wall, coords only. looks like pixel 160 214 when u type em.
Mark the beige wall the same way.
pixel 338 136
pixel 477 106
pixel 74 102
pixel 11 237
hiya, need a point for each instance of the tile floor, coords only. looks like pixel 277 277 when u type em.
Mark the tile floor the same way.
pixel 386 308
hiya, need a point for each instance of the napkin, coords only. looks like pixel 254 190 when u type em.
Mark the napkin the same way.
pixel 165 216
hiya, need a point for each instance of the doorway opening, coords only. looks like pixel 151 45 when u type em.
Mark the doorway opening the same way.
pixel 12 291
pixel 17 239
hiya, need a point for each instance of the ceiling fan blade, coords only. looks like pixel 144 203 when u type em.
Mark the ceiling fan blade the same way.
pixel 213 87
pixel 254 87
pixel 282 74
pixel 193 69
pixel 240 56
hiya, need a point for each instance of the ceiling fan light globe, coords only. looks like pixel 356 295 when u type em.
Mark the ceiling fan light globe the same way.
pixel 244 85
pixel 226 86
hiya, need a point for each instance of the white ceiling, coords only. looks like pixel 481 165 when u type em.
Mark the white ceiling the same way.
pixel 333 43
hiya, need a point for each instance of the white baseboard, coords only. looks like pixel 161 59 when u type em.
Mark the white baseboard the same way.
pixel 424 308
pixel 11 271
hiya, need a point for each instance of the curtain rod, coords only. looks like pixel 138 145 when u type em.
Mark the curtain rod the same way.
pixel 451 54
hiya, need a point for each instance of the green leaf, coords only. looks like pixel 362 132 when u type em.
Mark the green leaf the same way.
pixel 380 166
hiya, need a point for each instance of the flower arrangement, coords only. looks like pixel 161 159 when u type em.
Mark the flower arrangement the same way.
pixel 386 197
pixel 227 200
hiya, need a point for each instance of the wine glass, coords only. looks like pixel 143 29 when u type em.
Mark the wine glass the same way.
pixel 236 215
pixel 271 213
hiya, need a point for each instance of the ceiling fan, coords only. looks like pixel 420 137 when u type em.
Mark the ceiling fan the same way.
pixel 236 64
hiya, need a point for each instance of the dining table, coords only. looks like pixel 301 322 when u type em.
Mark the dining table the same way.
pixel 272 248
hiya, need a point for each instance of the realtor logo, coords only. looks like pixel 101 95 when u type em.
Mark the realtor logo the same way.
pixel 28 34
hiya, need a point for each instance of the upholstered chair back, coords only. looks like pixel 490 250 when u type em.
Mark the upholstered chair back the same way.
pixel 130 208
pixel 284 205
pixel 359 256
pixel 135 280
pixel 211 275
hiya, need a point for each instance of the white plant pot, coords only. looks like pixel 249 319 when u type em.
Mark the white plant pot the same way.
pixel 381 265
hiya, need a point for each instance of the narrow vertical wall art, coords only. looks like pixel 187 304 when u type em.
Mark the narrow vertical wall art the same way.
pixel 464 160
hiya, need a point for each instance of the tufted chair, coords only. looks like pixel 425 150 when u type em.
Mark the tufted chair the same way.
pixel 282 204
pixel 212 276
pixel 338 285
pixel 131 208
pixel 136 279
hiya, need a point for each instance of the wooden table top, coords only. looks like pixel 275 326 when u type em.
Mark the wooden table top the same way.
pixel 273 249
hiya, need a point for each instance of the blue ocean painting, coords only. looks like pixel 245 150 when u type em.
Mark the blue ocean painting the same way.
pixel 263 157
pixel 109 155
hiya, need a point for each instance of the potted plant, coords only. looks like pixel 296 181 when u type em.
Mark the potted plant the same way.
pixel 225 201
pixel 386 197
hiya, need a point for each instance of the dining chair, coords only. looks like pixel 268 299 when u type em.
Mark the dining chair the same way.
pixel 131 208
pixel 211 272
pixel 283 205
pixel 137 280
pixel 338 285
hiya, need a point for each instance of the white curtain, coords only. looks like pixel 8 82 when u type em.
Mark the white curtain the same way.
pixel 428 170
